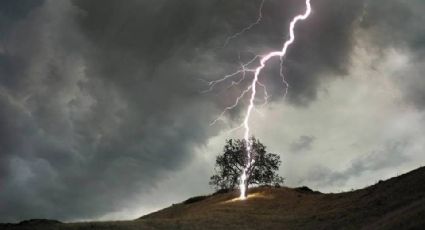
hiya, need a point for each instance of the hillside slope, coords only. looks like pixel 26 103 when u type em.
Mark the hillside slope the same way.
pixel 398 203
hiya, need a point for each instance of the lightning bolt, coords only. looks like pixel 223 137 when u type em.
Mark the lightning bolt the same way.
pixel 252 87
pixel 260 16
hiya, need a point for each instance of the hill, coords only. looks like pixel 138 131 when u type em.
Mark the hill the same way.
pixel 398 203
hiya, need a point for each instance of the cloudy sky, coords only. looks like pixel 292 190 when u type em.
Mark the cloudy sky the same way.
pixel 102 115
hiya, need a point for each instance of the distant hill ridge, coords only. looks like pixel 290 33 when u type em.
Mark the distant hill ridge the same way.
pixel 397 203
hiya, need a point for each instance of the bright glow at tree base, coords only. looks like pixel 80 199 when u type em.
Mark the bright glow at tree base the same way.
pixel 242 186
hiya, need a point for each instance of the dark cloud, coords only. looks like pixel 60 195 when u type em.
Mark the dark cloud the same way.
pixel 13 11
pixel 303 143
pixel 399 25
pixel 94 119
pixel 395 23
pixel 391 155
pixel 99 99
pixel 412 83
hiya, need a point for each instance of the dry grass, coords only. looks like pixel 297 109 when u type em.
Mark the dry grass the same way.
pixel 398 203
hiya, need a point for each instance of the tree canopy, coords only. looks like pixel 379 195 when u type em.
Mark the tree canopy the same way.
pixel 230 164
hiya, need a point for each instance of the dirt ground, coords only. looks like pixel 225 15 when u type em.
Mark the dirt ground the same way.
pixel 398 203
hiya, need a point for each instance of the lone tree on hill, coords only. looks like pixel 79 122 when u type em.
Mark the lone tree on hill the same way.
pixel 230 164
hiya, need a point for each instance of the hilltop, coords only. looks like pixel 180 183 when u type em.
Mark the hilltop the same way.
pixel 397 203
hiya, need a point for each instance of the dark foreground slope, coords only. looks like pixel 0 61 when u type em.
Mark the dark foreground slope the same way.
pixel 398 203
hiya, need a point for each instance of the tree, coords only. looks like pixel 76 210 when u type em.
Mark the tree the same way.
pixel 229 165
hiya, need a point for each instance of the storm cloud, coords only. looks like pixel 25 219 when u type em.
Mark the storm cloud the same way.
pixel 100 100
pixel 391 155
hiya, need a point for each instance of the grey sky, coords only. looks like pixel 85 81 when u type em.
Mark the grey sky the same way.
pixel 101 114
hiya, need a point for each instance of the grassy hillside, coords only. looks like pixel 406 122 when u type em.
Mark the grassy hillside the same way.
pixel 398 203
